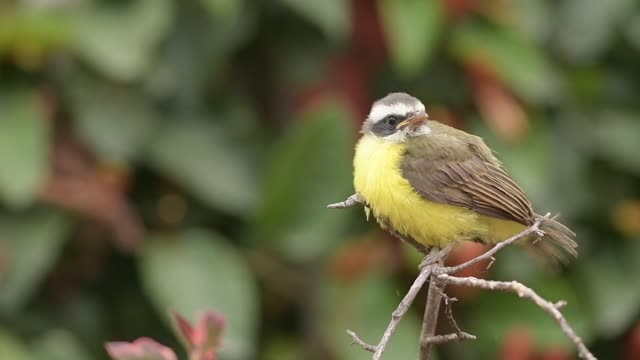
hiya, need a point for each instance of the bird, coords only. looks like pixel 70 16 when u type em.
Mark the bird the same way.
pixel 438 186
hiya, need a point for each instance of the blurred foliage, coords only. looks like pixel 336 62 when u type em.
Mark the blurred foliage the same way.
pixel 164 154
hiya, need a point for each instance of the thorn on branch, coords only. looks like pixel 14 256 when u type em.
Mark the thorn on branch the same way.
pixel 493 259
pixel 560 304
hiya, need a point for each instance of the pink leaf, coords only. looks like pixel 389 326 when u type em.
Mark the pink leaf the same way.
pixel 209 330
pixel 184 330
pixel 143 348
pixel 203 339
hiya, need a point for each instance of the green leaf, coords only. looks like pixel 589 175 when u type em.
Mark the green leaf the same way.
pixel 31 243
pixel 196 271
pixel 210 165
pixel 224 10
pixel 310 168
pixel 117 122
pixel 518 62
pixel 494 313
pixel 333 17
pixel 612 288
pixel 533 19
pixel 411 28
pixel 120 39
pixel 365 307
pixel 24 147
pixel 59 345
pixel 34 29
pixel 12 348
pixel 589 27
pixel 632 31
pixel 616 138
pixel 283 348
pixel 196 57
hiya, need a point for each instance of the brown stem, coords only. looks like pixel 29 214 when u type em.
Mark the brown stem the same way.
pixel 430 319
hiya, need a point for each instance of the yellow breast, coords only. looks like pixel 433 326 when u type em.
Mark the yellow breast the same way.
pixel 378 179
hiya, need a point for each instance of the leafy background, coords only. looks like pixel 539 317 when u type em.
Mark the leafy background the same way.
pixel 159 154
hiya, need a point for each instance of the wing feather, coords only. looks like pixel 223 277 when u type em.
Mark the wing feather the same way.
pixel 473 179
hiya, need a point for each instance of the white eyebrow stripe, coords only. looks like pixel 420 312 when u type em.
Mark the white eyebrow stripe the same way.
pixel 380 111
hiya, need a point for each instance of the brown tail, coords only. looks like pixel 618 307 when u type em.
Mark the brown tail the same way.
pixel 558 240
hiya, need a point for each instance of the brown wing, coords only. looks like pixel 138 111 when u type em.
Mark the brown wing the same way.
pixel 467 176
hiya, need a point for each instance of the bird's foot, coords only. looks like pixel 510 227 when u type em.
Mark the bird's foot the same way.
pixel 435 256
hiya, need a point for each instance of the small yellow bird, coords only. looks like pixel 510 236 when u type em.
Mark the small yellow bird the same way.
pixel 436 185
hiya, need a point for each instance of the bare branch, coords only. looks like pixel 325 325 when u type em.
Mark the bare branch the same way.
pixel 525 292
pixel 430 318
pixel 533 229
pixel 357 340
pixel 403 307
pixel 351 201
pixel 455 337
pixel 432 268
pixel 398 314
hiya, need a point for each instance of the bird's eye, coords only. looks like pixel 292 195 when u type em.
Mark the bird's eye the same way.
pixel 392 120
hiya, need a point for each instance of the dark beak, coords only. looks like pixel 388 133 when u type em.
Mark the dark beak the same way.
pixel 414 120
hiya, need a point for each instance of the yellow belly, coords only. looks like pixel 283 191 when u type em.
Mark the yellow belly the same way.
pixel 394 202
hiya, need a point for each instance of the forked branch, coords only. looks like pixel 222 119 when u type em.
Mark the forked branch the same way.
pixel 523 291
pixel 432 269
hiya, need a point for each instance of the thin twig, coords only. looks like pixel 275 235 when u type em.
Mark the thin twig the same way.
pixel 402 308
pixel 459 335
pixel 533 229
pixel 357 340
pixel 525 292
pixel 455 337
pixel 352 200
pixel 449 311
pixel 398 314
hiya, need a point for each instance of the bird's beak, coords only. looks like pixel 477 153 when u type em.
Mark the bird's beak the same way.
pixel 417 119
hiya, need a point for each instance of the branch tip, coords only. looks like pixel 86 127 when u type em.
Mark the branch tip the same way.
pixel 358 341
pixel 351 201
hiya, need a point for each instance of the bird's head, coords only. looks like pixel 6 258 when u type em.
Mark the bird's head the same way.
pixel 396 118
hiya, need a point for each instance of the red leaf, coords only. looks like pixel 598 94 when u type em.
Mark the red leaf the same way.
pixel 633 344
pixel 518 344
pixel 463 253
pixel 143 348
pixel 556 354
pixel 501 110
pixel 460 8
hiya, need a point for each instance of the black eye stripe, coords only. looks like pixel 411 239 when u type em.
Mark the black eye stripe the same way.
pixel 387 125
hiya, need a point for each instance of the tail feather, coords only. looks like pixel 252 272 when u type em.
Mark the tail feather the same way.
pixel 557 242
